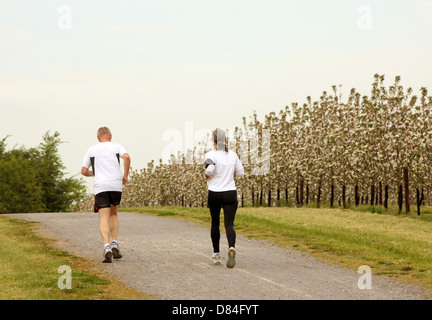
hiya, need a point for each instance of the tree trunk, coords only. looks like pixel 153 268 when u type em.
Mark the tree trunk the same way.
pixel 331 196
pixel 344 196
pixel 319 197
pixel 278 194
pixel 419 200
pixel 261 197
pixel 253 197
pixel 307 194
pixel 372 195
pixel 301 191
pixel 407 197
pixel 269 198
pixel 386 195
pixel 242 201
pixel 380 194
pixel 400 198
pixel 356 195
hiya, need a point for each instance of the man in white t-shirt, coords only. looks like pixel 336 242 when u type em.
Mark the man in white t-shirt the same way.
pixel 104 158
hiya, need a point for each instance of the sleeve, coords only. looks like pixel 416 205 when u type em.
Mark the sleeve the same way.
pixel 86 163
pixel 239 168
pixel 121 150
pixel 209 164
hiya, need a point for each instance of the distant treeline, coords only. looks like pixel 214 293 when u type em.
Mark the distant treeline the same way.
pixel 369 149
pixel 33 180
pixel 374 149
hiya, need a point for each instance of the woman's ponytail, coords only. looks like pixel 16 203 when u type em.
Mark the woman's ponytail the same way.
pixel 219 138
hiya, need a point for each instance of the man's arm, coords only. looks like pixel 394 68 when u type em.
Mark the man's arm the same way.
pixel 126 163
pixel 86 172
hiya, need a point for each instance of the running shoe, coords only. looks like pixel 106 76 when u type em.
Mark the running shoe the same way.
pixel 116 250
pixel 231 258
pixel 216 259
pixel 107 255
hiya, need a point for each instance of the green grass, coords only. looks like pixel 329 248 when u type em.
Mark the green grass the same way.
pixel 398 246
pixel 29 269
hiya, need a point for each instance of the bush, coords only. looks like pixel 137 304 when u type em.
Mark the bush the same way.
pixel 32 180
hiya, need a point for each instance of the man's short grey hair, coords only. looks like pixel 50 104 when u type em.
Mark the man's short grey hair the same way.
pixel 103 131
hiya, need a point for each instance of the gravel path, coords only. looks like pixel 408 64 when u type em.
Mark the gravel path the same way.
pixel 170 258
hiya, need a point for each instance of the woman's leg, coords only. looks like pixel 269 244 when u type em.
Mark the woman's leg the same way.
pixel 215 208
pixel 230 204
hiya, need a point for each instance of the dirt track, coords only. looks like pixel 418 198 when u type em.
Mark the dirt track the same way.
pixel 170 258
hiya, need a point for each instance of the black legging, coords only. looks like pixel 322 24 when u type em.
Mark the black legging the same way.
pixel 228 201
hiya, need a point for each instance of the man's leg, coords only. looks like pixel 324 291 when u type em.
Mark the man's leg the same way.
pixel 104 224
pixel 114 228
pixel 113 222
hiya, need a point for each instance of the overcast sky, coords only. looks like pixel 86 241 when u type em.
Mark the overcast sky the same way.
pixel 145 67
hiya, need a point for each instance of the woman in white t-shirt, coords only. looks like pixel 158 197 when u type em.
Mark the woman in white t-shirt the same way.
pixel 221 167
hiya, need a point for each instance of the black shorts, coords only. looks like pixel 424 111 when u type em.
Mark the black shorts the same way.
pixel 106 199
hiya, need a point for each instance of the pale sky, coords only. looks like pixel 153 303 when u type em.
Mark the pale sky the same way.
pixel 147 66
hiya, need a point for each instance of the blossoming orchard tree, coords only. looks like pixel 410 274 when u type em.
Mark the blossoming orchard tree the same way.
pixel 373 149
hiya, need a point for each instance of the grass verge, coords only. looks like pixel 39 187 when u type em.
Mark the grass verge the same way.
pixel 397 246
pixel 29 268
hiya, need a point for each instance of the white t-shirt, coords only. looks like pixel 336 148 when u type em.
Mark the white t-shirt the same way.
pixel 222 172
pixel 105 160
